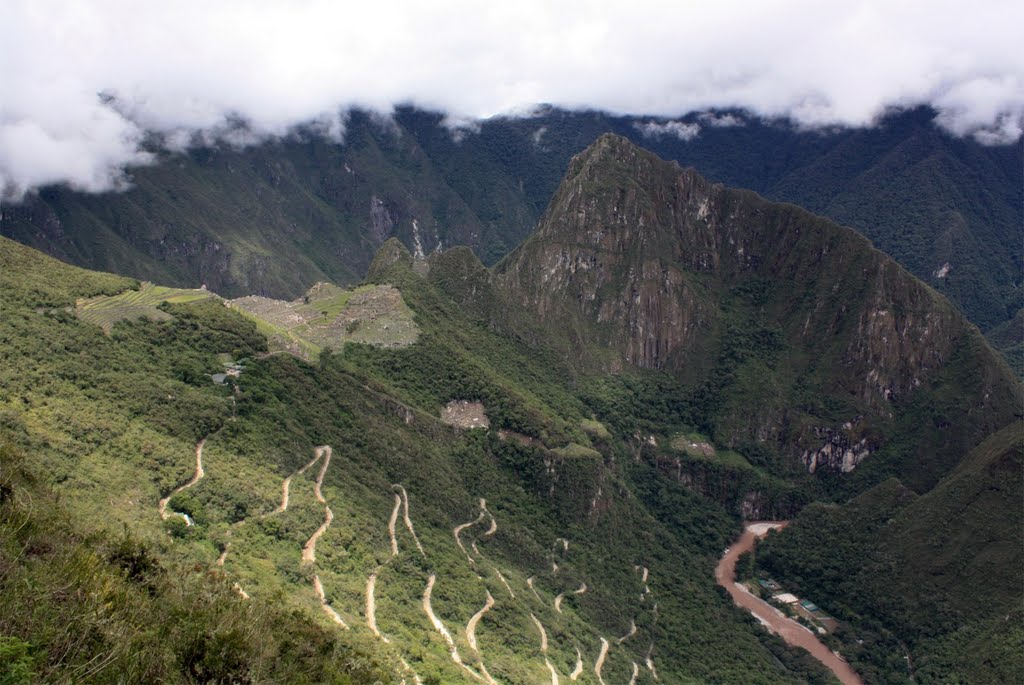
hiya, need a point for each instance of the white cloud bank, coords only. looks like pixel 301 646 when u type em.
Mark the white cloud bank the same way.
pixel 190 66
pixel 676 129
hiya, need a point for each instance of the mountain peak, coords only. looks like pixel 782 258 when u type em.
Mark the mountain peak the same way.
pixel 390 253
pixel 611 152
pixel 640 263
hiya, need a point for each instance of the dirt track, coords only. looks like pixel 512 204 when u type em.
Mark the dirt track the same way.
pixel 371 607
pixel 318 588
pixel 578 670
pixel 471 626
pixel 286 483
pixel 599 664
pixel 196 477
pixel 407 520
pixel 789 630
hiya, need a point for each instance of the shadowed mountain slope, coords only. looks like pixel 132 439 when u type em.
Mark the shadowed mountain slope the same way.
pixel 277 217
pixel 792 330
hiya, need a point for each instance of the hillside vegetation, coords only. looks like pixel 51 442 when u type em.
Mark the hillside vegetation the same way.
pixel 788 334
pixel 936 576
pixel 573 537
pixel 560 518
pixel 275 218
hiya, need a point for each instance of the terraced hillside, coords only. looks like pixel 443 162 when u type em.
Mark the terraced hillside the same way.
pixel 107 310
pixel 326 317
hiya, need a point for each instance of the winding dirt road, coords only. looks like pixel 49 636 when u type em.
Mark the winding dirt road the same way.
pixel 407 520
pixel 440 627
pixel 504 582
pixel 529 584
pixel 196 477
pixel 649 662
pixel 371 608
pixel 309 549
pixel 457 530
pixel 371 584
pixel 471 626
pixel 326 451
pixel 286 483
pixel 544 649
pixel 631 633
pixel 789 630
pixel 578 670
pixel 392 522
pixel 318 588
pixel 223 555
pixel 599 664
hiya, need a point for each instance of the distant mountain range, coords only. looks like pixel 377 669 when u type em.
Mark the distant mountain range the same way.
pixel 456 473
pixel 276 217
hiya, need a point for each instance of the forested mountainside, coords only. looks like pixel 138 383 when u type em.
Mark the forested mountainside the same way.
pixel 796 332
pixel 937 577
pixel 414 549
pixel 277 217
pixel 455 476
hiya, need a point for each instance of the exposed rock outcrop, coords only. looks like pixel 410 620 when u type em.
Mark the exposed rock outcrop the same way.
pixel 779 318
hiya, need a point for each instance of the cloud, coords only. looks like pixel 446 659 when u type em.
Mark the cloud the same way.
pixel 85 83
pixel 676 129
pixel 720 120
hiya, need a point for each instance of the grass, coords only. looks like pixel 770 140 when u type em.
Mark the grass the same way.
pixel 329 316
pixel 106 310
pixel 697 446
pixel 112 421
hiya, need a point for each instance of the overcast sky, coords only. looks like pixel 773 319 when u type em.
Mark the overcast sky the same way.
pixel 80 82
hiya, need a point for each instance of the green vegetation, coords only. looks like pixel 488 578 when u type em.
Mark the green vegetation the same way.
pixel 87 607
pixel 106 310
pixel 112 421
pixel 791 338
pixel 1008 338
pixel 329 316
pixel 275 218
pixel 576 484
pixel 934 576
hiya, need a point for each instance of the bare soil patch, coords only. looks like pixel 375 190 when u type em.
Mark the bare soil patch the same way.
pixel 465 414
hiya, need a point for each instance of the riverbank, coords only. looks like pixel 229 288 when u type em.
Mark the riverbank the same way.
pixel 771 618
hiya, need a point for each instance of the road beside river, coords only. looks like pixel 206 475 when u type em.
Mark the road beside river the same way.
pixel 774 620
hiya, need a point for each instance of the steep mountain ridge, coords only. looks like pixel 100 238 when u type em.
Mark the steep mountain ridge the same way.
pixel 808 337
pixel 277 217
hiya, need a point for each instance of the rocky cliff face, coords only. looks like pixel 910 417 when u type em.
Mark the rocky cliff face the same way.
pixel 798 331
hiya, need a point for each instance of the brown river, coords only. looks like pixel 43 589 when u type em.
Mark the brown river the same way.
pixel 774 620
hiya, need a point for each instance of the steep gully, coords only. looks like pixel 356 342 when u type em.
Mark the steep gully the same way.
pixel 774 620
